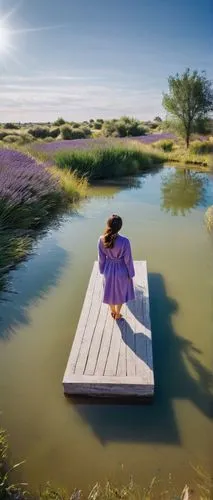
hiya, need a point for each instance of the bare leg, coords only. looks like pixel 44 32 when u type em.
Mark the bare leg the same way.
pixel 118 315
pixel 113 311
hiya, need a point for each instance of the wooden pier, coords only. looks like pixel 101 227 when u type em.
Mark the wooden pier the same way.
pixel 112 358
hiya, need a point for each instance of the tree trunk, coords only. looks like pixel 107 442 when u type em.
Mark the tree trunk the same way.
pixel 187 139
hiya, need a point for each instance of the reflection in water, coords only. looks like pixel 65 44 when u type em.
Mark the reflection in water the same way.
pixel 46 273
pixel 182 190
pixel 156 424
pixel 114 186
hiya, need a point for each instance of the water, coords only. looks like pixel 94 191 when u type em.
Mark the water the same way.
pixel 75 445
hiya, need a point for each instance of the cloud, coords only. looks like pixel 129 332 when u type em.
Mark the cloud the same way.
pixel 38 29
pixel 43 98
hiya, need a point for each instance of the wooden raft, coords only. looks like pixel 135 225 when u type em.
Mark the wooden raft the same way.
pixel 112 358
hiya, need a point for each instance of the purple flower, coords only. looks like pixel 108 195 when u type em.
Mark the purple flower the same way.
pixel 22 179
pixel 86 144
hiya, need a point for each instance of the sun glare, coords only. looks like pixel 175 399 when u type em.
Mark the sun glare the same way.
pixel 4 37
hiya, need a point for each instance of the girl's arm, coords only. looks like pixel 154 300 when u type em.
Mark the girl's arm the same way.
pixel 128 260
pixel 101 257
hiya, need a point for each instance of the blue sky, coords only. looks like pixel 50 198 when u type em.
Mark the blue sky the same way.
pixel 83 59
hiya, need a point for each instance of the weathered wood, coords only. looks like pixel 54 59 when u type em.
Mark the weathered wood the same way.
pixel 112 358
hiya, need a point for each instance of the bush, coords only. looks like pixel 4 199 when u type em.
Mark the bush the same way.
pixel 3 135
pixel 201 147
pixel 69 132
pixel 98 125
pixel 54 132
pixel 75 124
pixel 165 144
pixel 39 132
pixel 10 139
pixel 11 126
pixel 25 138
pixel 60 121
pixel 124 127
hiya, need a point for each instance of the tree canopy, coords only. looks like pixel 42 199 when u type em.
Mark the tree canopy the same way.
pixel 190 99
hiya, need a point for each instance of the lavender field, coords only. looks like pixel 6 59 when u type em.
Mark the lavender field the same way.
pixel 102 142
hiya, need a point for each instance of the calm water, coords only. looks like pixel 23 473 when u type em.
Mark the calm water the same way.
pixel 75 445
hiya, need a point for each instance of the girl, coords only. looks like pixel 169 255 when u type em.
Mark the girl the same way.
pixel 116 264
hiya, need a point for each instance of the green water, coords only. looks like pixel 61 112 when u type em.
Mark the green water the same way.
pixel 75 445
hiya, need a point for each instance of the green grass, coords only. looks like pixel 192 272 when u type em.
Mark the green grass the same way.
pixel 105 163
pixel 72 186
pixel 209 218
pixel 106 491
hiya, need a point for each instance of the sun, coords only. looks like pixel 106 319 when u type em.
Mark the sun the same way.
pixel 4 37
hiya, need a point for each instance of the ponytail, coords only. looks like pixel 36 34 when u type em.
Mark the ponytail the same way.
pixel 114 225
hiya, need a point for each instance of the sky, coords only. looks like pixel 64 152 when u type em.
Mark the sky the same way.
pixel 83 59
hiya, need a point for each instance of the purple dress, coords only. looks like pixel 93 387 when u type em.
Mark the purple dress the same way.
pixel 116 265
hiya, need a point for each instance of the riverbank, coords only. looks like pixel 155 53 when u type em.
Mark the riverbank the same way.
pixel 12 491
pixel 31 197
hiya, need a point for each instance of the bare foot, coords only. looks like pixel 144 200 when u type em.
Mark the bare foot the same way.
pixel 118 316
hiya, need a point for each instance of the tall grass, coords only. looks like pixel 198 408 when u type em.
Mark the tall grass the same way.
pixel 72 186
pixel 107 491
pixel 103 163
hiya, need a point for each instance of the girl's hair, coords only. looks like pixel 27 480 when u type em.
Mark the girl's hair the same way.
pixel 114 224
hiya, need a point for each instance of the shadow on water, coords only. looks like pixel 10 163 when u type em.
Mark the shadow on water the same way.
pixel 31 280
pixel 155 423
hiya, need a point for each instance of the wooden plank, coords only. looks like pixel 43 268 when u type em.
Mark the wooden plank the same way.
pixel 96 341
pixel 110 358
pixel 90 326
pixel 113 355
pixel 82 323
pixel 105 345
pixel 122 363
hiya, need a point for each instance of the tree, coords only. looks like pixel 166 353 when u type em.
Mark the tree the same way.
pixel 190 98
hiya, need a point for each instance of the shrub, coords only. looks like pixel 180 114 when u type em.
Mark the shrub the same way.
pixel 11 126
pixel 54 132
pixel 60 121
pixel 25 138
pixel 124 127
pixel 68 132
pixel 98 125
pixel 3 135
pixel 10 139
pixel 201 147
pixel 75 124
pixel 165 144
pixel 39 132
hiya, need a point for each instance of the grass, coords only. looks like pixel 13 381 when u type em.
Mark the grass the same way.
pixel 209 218
pixel 107 491
pixel 72 186
pixel 104 163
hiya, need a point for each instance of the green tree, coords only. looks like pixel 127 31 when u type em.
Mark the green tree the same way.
pixel 190 98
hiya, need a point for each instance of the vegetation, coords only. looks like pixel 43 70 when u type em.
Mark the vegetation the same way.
pixel 30 196
pixel 209 218
pixel 103 163
pixel 165 145
pixel 68 132
pixel 201 147
pixel 125 127
pixel 190 99
pixel 107 491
